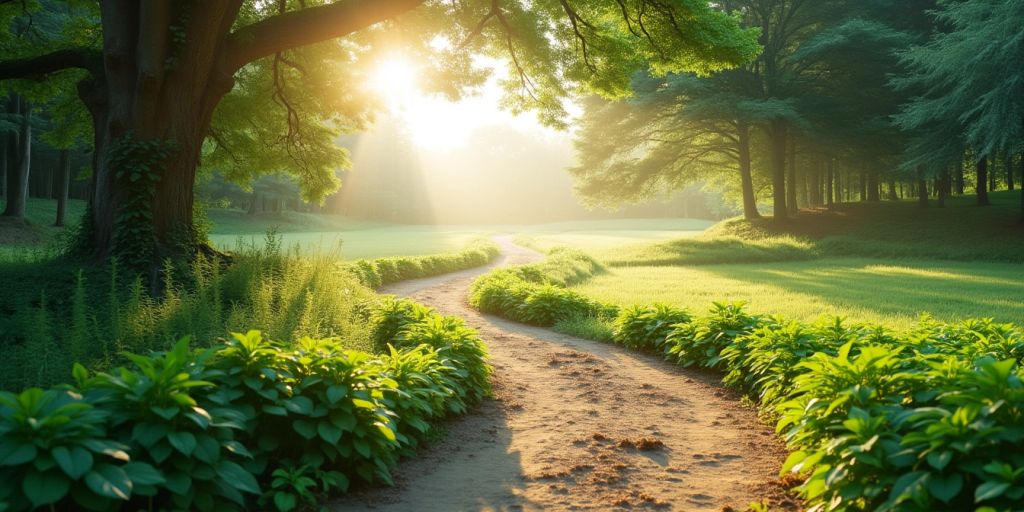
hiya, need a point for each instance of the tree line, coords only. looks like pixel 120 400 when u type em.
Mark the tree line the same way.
pixel 848 101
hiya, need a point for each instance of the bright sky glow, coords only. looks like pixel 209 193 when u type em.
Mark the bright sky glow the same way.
pixel 434 122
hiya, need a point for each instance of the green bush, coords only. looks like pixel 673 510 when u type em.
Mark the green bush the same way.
pixel 378 272
pixel 701 341
pixel 536 293
pixel 647 327
pixel 925 420
pixel 252 421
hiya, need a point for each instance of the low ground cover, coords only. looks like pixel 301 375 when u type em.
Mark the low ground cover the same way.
pixel 57 311
pixel 205 429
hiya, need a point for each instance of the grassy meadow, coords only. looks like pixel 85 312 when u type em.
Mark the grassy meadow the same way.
pixel 951 263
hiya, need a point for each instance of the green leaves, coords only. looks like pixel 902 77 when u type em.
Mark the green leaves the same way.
pixel 109 481
pixel 199 427
pixel 184 442
pixel 43 488
pixel 75 462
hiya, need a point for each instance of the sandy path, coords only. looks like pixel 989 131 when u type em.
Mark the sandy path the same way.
pixel 568 425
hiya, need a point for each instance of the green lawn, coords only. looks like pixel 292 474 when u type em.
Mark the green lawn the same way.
pixel 606 235
pixel 892 293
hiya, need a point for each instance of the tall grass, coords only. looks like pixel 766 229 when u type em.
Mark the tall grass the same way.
pixel 96 314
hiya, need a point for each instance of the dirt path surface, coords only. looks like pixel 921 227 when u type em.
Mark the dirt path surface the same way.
pixel 579 425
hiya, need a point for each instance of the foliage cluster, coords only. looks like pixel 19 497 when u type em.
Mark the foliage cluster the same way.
pixel 536 293
pixel 251 422
pixel 926 419
pixel 380 271
pixel 91 315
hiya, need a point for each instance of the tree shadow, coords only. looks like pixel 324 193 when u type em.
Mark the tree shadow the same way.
pixel 947 291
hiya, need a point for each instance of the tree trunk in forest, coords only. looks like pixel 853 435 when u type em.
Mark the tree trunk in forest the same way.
pixel 874 186
pixel 892 189
pixel 1010 182
pixel 777 133
pixel 814 184
pixel 829 176
pixel 746 177
pixel 958 179
pixel 64 185
pixel 17 178
pixel 791 206
pixel 982 183
pixel 922 191
pixel 4 158
pixel 942 187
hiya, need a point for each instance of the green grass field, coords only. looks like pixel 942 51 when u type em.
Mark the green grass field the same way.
pixel 886 262
pixel 358 239
pixel 891 293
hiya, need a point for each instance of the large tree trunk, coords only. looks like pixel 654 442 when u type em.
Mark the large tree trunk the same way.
pixel 63 186
pixel 17 178
pixel 982 183
pixel 746 176
pixel 777 133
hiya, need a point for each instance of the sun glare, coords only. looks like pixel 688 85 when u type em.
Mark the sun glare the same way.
pixel 395 81
pixel 432 121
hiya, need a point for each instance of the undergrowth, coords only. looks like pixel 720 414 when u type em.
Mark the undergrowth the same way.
pixel 876 420
pixel 248 424
pixel 54 311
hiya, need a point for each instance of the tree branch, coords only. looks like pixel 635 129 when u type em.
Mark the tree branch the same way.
pixel 308 26
pixel 42 65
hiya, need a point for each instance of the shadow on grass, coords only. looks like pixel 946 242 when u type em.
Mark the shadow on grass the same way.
pixel 947 291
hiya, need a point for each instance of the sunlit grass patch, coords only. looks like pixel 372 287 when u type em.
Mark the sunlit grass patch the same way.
pixel 894 294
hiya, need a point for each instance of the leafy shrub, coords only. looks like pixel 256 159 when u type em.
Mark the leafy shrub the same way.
pixel 647 327
pixel 702 340
pixel 251 421
pixel 536 293
pixel 378 272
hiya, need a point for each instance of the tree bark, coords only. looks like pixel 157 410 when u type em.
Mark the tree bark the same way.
pixel 746 176
pixel 791 205
pixel 874 187
pixel 982 183
pixel 814 184
pixel 1010 181
pixel 777 132
pixel 829 174
pixel 942 187
pixel 17 180
pixel 64 185
pixel 922 191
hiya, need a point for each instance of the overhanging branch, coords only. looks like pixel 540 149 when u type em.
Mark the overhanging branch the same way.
pixel 42 65
pixel 307 26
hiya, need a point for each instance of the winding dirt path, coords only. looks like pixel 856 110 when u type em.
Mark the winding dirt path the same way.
pixel 579 425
